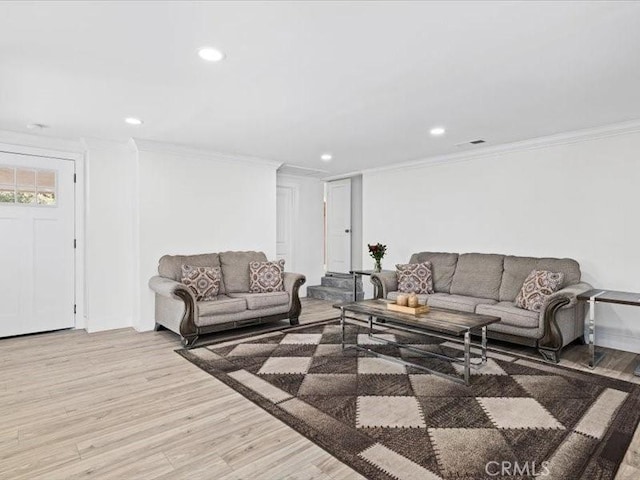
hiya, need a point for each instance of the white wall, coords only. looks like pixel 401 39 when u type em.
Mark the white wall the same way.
pixel 308 237
pixel 577 200
pixel 193 202
pixel 110 250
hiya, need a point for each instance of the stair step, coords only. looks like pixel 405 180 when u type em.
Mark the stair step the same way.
pixel 345 283
pixel 331 293
pixel 339 275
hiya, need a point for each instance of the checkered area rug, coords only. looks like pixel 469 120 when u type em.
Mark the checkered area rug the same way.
pixel 518 418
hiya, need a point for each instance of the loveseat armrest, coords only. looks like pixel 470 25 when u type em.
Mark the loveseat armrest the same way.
pixel 166 287
pixel 384 282
pixel 292 283
pixel 552 341
pixel 176 308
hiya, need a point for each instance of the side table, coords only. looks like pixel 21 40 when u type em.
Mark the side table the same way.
pixel 594 296
pixel 358 274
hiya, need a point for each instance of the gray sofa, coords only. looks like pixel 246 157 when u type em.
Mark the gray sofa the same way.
pixel 177 310
pixel 488 284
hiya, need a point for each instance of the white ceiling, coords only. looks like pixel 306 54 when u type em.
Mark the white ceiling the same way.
pixel 365 81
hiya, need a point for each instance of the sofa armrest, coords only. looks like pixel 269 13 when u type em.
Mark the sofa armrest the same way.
pixel 177 307
pixel 292 284
pixel 568 293
pixel 293 280
pixel 166 287
pixel 384 282
pixel 552 342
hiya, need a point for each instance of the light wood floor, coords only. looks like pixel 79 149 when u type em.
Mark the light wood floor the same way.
pixel 121 404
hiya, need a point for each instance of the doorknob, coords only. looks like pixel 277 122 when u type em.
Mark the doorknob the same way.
pixel 347 231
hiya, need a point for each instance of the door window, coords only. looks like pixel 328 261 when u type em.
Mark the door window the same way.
pixel 27 186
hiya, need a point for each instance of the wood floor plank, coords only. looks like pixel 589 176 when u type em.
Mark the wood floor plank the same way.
pixel 122 404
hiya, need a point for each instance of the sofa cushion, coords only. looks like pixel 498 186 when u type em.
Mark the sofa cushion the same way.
pixel 221 305
pixel 414 277
pixel 235 269
pixel 240 319
pixel 516 270
pixel 478 275
pixel 203 282
pixel 443 266
pixel 537 287
pixel 170 266
pixel 457 302
pixel 257 301
pixel 265 277
pixel 510 314
pixel 422 297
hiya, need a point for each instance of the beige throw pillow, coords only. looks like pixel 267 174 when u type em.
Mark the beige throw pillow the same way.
pixel 204 282
pixel 414 277
pixel 537 287
pixel 265 277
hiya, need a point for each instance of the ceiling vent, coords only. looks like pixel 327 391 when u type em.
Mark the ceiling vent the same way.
pixel 472 142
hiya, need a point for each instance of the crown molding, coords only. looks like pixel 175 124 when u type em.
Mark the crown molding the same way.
pixel 298 171
pixel 184 151
pixel 564 138
pixel 352 174
pixel 93 143
pixel 63 148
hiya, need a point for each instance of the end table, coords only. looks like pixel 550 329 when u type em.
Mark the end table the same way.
pixel 358 274
pixel 594 296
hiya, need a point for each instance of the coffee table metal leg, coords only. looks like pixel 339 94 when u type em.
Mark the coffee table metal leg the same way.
pixel 467 356
pixel 484 344
pixel 342 326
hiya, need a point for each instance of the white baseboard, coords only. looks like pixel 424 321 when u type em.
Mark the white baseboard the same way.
pixel 107 323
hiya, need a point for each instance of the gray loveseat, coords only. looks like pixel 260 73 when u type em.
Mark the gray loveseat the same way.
pixel 488 284
pixel 177 310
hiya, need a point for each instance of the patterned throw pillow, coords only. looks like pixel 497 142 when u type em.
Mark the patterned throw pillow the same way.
pixel 537 287
pixel 204 282
pixel 414 277
pixel 265 277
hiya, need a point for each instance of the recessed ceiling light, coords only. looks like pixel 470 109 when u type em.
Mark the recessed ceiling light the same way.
pixel 326 157
pixel 210 54
pixel 436 131
pixel 133 121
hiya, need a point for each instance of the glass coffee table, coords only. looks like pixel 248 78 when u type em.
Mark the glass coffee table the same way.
pixel 438 322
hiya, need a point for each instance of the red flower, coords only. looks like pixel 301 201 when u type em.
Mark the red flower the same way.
pixel 377 251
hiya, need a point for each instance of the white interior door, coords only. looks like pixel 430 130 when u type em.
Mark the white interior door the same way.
pixel 339 226
pixel 284 225
pixel 37 257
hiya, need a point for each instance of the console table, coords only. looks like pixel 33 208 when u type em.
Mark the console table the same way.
pixel 597 295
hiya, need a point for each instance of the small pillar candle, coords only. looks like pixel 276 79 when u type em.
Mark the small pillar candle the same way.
pixel 402 300
pixel 413 300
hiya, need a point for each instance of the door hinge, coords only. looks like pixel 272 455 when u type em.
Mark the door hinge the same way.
pixel 75 178
pixel 75 243
pixel 74 308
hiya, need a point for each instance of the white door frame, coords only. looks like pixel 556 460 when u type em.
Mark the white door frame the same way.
pixel 348 227
pixel 78 157
pixel 295 192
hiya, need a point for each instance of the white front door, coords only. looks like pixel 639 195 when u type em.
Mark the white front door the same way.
pixel 37 259
pixel 285 205
pixel 339 226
